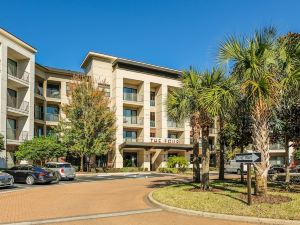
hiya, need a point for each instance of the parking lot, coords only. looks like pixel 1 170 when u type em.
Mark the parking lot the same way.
pixel 84 178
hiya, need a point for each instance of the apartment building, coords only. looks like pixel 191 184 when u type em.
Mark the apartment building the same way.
pixel 32 95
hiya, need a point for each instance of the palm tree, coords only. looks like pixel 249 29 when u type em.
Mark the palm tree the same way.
pixel 218 98
pixel 255 62
pixel 182 104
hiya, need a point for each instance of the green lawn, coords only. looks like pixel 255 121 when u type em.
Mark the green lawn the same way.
pixel 227 201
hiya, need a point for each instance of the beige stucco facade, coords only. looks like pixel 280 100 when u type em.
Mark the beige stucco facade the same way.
pixel 32 95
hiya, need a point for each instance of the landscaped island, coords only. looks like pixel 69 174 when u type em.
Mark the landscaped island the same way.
pixel 230 198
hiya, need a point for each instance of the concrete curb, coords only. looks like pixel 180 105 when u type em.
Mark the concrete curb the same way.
pixel 246 219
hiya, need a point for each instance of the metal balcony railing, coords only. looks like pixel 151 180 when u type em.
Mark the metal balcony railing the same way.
pixel 15 134
pixel 22 76
pixel 130 139
pixel 152 102
pixel 38 114
pixel 52 93
pixel 12 103
pixel 173 124
pixel 152 123
pixel 54 117
pixel 133 120
pixel 276 147
pixel 132 97
pixel 213 130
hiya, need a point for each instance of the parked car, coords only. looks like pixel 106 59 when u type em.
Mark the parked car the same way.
pixel 6 180
pixel 65 170
pixel 31 174
pixel 235 167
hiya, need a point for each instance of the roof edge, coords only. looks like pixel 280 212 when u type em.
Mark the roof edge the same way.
pixel 17 40
pixel 92 54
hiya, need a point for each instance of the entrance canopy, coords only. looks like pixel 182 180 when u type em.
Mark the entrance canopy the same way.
pixel 148 146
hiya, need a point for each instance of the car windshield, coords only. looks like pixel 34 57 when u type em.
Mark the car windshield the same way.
pixel 65 165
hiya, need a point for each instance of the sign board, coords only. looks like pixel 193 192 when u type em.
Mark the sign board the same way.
pixel 164 140
pixel 254 157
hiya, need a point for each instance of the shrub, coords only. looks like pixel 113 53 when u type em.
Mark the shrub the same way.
pixel 168 170
pixel 177 162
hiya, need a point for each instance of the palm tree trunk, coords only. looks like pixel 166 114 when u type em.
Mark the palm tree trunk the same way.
pixel 222 150
pixel 261 144
pixel 205 159
pixel 287 160
pixel 195 123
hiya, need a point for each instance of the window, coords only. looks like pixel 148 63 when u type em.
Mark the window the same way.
pixel 105 88
pixel 129 136
pixel 53 90
pixel 38 88
pixel 172 135
pixel 152 134
pixel 12 67
pixel 152 98
pixel 129 94
pixel 39 131
pixel 52 113
pixel 152 119
pixel 11 129
pixel 11 98
pixel 130 116
pixel 39 112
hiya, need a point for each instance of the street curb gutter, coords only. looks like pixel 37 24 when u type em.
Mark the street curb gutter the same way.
pixel 246 219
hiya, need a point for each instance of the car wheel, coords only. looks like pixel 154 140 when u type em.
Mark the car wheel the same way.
pixel 71 179
pixel 30 180
pixel 238 172
pixel 58 177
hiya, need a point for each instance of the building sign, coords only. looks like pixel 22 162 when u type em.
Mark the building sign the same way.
pixel 164 140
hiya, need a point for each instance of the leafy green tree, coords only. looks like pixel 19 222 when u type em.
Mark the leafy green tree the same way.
pixel 284 124
pixel 90 125
pixel 182 104
pixel 1 142
pixel 41 149
pixel 218 97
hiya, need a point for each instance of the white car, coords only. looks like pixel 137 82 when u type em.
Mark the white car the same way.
pixel 65 170
pixel 6 180
pixel 235 167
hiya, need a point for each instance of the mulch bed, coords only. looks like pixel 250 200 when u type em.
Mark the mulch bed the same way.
pixel 270 199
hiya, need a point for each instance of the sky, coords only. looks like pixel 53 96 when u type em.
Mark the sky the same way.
pixel 170 33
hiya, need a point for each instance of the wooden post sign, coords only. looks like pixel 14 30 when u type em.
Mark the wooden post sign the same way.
pixel 248 158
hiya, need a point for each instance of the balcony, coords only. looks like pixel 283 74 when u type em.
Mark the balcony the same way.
pixel 213 130
pixel 131 139
pixel 276 148
pixel 152 102
pixel 19 77
pixel 52 93
pixel 132 97
pixel 38 114
pixel 16 135
pixel 52 117
pixel 152 123
pixel 17 109
pixel 39 91
pixel 173 124
pixel 133 120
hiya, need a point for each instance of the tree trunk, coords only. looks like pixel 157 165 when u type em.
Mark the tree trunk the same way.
pixel 261 144
pixel 287 160
pixel 205 159
pixel 242 166
pixel 222 150
pixel 196 136
pixel 81 163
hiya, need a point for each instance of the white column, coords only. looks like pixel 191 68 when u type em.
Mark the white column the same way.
pixel 146 109
pixel 117 100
